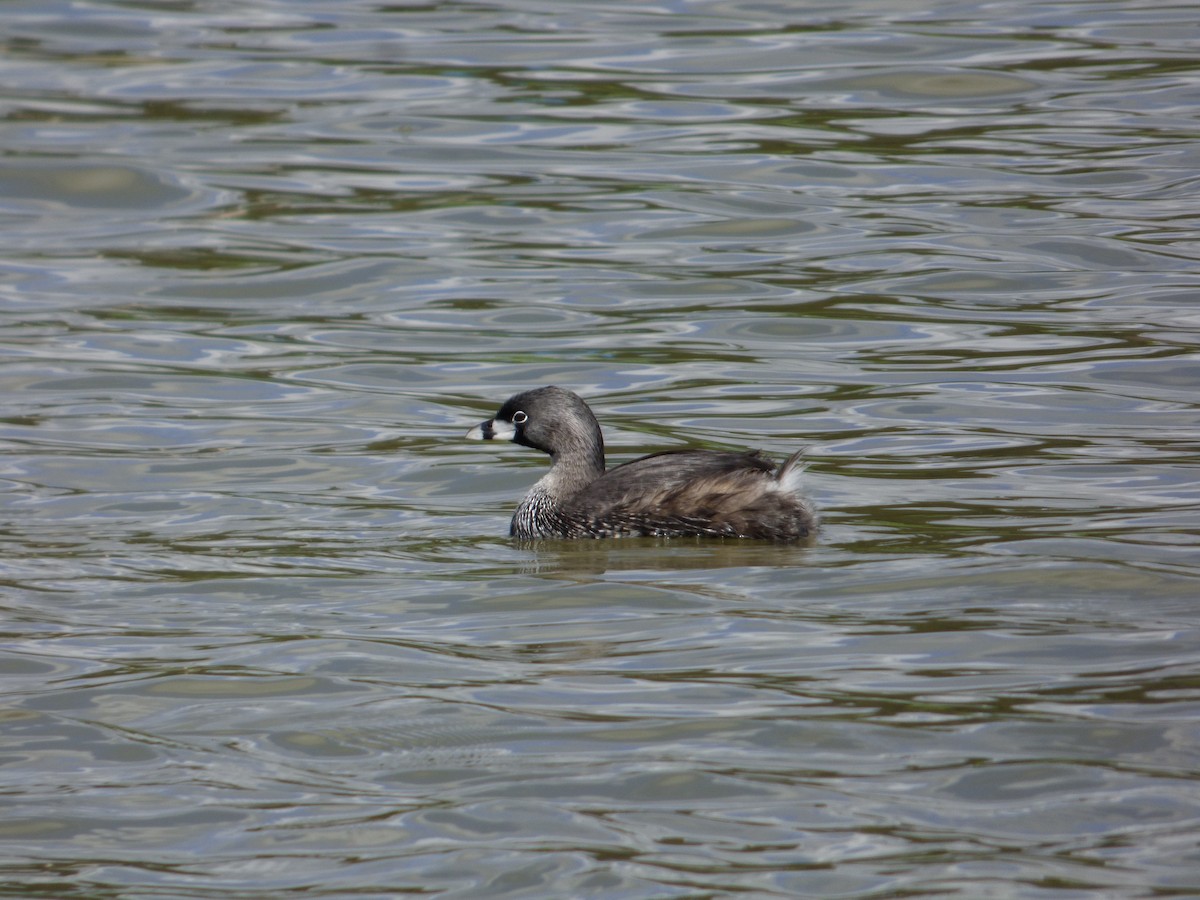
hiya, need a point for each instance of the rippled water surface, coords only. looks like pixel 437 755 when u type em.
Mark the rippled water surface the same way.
pixel 263 631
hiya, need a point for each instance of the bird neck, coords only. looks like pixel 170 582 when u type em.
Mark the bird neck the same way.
pixel 571 473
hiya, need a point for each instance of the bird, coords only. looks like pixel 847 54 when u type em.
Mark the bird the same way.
pixel 674 493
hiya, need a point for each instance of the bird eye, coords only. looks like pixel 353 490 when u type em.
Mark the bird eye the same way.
pixel 519 418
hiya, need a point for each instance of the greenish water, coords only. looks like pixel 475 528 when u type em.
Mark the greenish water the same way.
pixel 263 632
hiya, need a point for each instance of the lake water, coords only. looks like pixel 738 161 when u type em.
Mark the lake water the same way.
pixel 264 633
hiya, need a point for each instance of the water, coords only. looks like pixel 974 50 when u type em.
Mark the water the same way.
pixel 263 630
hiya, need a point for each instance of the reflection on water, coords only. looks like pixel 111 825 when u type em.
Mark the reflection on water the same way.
pixel 264 631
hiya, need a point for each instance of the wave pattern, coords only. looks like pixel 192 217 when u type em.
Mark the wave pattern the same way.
pixel 262 266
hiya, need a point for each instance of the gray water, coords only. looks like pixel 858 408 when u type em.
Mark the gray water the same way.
pixel 264 634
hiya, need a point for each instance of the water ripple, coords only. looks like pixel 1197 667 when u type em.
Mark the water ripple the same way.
pixel 264 631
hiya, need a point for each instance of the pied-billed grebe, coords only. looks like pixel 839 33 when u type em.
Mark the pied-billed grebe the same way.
pixel 675 493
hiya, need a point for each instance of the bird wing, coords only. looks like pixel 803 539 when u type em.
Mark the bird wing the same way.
pixel 680 491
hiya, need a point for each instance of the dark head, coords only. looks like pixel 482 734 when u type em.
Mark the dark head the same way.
pixel 549 419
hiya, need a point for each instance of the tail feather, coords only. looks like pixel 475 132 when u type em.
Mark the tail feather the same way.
pixel 789 473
